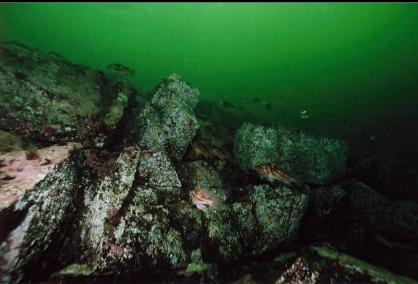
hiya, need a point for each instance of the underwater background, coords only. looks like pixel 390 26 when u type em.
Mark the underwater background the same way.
pixel 346 70
pixel 209 143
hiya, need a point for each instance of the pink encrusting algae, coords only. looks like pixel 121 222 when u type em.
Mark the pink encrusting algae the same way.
pixel 20 171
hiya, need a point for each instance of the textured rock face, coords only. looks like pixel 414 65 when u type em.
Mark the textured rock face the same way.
pixel 314 160
pixel 45 97
pixel 167 123
pixel 43 212
pixel 325 265
pixel 124 206
pixel 268 218
pixel 311 160
pixel 175 88
pixel 102 203
pixel 148 234
pixel 256 145
pixel 136 218
pixel 166 176
pixel 20 171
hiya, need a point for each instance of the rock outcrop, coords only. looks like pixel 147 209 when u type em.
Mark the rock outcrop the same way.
pixel 119 201
pixel 310 159
pixel 48 99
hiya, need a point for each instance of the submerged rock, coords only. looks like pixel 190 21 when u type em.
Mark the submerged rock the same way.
pixel 149 237
pixel 102 203
pixel 256 145
pixel 269 217
pixel 46 98
pixel 34 223
pixel 10 142
pixel 157 171
pixel 309 159
pixel 126 206
pixel 354 216
pixel 20 171
pixel 326 265
pixel 167 123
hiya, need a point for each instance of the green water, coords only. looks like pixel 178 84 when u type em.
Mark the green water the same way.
pixel 352 67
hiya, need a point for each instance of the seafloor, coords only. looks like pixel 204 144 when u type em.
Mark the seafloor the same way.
pixel 100 183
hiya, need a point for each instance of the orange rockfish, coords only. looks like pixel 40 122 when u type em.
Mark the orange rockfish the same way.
pixel 273 173
pixel 203 198
pixel 208 153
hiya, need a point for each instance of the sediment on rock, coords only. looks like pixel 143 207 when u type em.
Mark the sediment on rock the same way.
pixel 311 160
pixel 43 211
pixel 167 123
pixel 121 203
pixel 48 99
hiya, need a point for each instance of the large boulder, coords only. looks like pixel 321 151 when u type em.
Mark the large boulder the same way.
pixel 310 159
pixel 147 237
pixel 36 206
pixel 167 123
pixel 46 98
pixel 256 145
pixel 266 219
pixel 102 203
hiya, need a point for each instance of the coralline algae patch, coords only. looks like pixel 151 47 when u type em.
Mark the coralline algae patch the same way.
pixel 20 171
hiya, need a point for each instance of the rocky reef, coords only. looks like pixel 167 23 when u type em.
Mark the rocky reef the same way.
pixel 97 185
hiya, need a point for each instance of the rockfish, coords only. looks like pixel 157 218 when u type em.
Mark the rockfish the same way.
pixel 273 173
pixel 202 199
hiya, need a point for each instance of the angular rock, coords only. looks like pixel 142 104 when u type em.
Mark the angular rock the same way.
pixel 102 203
pixel 20 171
pixel 158 178
pixel 147 129
pixel 179 126
pixel 175 88
pixel 167 123
pixel 148 238
pixel 310 159
pixel 269 217
pixel 256 145
pixel 188 220
pixel 202 171
pixel 157 170
pixel 314 160
pixel 121 90
pixel 39 217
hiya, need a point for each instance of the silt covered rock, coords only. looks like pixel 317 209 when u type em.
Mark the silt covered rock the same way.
pixel 270 216
pixel 102 202
pixel 309 159
pixel 167 123
pixel 32 225
pixel 46 98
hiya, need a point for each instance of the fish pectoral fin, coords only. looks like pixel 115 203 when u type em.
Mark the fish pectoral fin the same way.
pixel 202 207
